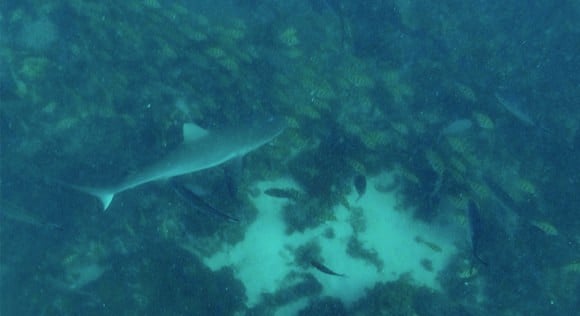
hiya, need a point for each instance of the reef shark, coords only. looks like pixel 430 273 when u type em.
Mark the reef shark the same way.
pixel 201 149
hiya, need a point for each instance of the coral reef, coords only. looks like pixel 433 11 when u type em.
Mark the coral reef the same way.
pixel 89 93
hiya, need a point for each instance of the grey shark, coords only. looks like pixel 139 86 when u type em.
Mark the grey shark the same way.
pixel 201 149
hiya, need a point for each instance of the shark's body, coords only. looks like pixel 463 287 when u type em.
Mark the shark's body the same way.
pixel 200 150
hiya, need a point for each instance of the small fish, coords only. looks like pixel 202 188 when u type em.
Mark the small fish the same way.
pixel 290 194
pixel 457 127
pixel 545 227
pixel 483 121
pixel 19 215
pixel 476 229
pixel 514 108
pixel 433 246
pixel 572 267
pixel 324 269
pixel 199 204
pixel 467 273
pixel 360 184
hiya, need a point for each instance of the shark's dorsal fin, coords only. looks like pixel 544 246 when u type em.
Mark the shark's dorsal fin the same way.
pixel 193 132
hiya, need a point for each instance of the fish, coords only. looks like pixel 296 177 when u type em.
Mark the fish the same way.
pixel 290 194
pixel 476 229
pixel 360 184
pixel 457 127
pixel 433 246
pixel 200 150
pixel 500 194
pixel 324 269
pixel 545 227
pixel 509 212
pixel 199 204
pixel 515 109
pixel 19 215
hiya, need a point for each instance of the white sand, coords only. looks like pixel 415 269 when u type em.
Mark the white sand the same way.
pixel 265 257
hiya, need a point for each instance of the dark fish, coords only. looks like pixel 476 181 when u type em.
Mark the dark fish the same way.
pixel 233 175
pixel 514 108
pixel 19 215
pixel 290 194
pixel 476 229
pixel 324 269
pixel 360 184
pixel 501 195
pixel 199 204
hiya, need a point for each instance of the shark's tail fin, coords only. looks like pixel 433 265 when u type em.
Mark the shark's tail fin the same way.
pixel 103 194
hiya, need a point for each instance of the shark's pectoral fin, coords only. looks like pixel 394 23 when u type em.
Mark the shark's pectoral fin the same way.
pixel 105 196
pixel 106 199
